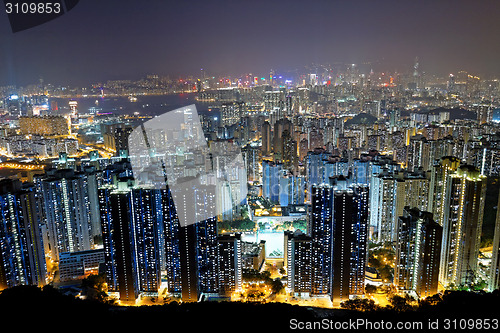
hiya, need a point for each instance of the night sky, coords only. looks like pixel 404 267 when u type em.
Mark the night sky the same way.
pixel 126 39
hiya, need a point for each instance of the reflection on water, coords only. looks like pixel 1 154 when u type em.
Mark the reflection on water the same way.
pixel 144 105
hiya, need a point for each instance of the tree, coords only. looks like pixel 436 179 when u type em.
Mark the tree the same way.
pixel 386 272
pixel 266 275
pixel 95 287
pixel 370 289
pixel 374 262
pixel 359 304
pixel 400 304
pixel 430 301
pixel 276 286
pixel 478 286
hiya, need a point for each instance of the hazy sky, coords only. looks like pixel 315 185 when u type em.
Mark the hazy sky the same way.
pixel 126 39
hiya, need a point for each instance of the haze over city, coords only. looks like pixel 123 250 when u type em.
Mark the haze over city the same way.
pixel 303 164
pixel 107 40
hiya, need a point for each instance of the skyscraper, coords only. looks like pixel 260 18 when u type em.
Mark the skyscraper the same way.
pixel 383 195
pixel 93 181
pixel 171 243
pixel 66 211
pixel 439 187
pixel 230 264
pixel 320 230
pixel 389 194
pixel 134 223
pixel 412 190
pixel 494 281
pixel 198 247
pixel 231 113
pixel 418 153
pixel 462 226
pixel 147 235
pixel 120 255
pixel 291 190
pixel 318 170
pixel 405 250
pixel 418 250
pixel 121 136
pixel 271 180
pixel 22 257
pixel 266 139
pixel 299 263
pixel 350 236
pixel 429 249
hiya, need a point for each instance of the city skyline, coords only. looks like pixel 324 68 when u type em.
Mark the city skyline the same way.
pixel 92 43
pixel 335 155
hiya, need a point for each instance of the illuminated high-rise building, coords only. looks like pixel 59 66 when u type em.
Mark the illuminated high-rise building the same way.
pixel 148 238
pixel 266 139
pixel 462 227
pixel 171 243
pixel 318 170
pixel 383 196
pixel 271 173
pixel 361 172
pixel 283 142
pixel 66 211
pixel 320 230
pixel 289 151
pixel 133 237
pixel 494 276
pixel 22 257
pixel 298 263
pixel 251 155
pixel 274 104
pixel 120 255
pixel 198 247
pixel 399 146
pixel 231 113
pixel 389 194
pixel 412 190
pixel 439 187
pixel 418 249
pixel 121 135
pixel 44 125
pixel 93 181
pixel 418 153
pixel 429 251
pixel 349 243
pixel 291 190
pixel 230 264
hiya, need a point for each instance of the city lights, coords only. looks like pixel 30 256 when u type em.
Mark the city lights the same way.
pixel 319 168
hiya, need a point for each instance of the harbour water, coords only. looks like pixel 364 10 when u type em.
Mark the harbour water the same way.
pixel 146 105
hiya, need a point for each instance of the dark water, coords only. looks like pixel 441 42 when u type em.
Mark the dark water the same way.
pixel 145 105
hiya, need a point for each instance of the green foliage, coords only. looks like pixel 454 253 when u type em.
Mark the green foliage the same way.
pixel 360 304
pixel 386 272
pixel 481 285
pixel 244 224
pixel 276 285
pixel 94 286
pixel 401 304
pixel 371 289
pixel 253 275
pixel 430 301
pixel 382 259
